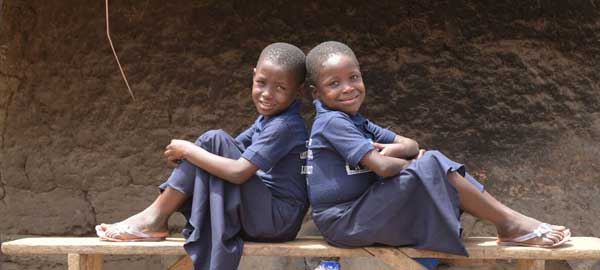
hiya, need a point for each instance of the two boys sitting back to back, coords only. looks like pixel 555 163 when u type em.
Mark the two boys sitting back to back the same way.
pixel 367 185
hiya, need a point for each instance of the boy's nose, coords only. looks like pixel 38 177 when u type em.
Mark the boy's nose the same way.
pixel 347 88
pixel 267 93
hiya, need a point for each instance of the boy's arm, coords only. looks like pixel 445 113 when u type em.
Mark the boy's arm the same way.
pixel 236 171
pixel 402 147
pixel 392 145
pixel 384 166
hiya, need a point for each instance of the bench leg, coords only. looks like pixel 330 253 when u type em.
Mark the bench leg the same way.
pixel 85 262
pixel 395 258
pixel 184 263
pixel 531 264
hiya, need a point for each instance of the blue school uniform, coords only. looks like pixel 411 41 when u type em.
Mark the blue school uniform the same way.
pixel 269 207
pixel 354 207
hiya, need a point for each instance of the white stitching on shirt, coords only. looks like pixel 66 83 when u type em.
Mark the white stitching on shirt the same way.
pixel 306 154
pixel 306 170
pixel 352 170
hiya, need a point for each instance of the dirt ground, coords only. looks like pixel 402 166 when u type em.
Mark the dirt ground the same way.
pixel 510 88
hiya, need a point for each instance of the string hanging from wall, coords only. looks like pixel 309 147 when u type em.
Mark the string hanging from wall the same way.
pixel 115 53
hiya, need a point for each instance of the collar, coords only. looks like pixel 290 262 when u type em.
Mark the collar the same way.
pixel 320 107
pixel 357 119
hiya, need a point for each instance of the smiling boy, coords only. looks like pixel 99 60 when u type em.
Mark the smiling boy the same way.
pixel 230 190
pixel 370 186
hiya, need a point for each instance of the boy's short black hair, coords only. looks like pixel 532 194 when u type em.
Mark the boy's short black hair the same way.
pixel 320 54
pixel 287 56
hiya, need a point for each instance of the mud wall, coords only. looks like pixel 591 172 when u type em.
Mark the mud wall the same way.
pixel 509 88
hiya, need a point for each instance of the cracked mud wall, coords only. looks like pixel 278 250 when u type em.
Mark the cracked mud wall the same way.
pixel 511 89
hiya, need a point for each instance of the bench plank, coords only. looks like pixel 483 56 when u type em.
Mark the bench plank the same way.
pixel 578 248
pixel 394 258
pixel 91 245
pixel 172 246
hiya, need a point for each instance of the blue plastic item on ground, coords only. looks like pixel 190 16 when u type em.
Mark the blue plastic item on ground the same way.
pixel 329 265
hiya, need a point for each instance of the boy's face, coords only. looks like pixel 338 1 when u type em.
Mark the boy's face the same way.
pixel 274 88
pixel 339 84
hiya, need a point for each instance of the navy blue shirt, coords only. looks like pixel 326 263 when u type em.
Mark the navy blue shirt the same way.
pixel 338 142
pixel 276 145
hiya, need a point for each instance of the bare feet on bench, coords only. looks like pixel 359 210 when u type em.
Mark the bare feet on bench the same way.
pixel 148 225
pixel 526 231
pixel 513 227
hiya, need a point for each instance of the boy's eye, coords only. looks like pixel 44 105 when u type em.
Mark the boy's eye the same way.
pixel 280 88
pixel 354 77
pixel 334 84
pixel 260 82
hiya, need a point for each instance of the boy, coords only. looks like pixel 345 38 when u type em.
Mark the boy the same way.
pixel 248 188
pixel 370 186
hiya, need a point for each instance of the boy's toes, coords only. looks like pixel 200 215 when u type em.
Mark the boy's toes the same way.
pixel 104 226
pixel 564 231
pixel 558 228
pixel 555 236
pixel 115 233
pixel 108 230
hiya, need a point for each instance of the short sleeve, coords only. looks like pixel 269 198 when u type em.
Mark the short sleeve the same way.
pixel 272 144
pixel 347 139
pixel 246 137
pixel 382 135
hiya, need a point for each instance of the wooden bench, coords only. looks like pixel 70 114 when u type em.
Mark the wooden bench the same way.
pixel 86 253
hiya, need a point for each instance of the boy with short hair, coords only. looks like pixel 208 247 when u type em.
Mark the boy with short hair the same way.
pixel 230 190
pixel 370 186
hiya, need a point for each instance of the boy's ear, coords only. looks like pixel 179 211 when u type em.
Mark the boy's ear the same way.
pixel 314 91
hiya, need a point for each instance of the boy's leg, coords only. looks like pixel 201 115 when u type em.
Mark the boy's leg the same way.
pixel 175 195
pixel 152 221
pixel 213 228
pixel 424 193
pixel 475 200
pixel 509 223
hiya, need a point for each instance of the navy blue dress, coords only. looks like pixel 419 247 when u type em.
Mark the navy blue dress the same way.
pixel 354 207
pixel 269 207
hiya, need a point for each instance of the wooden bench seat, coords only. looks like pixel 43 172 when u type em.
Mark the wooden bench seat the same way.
pixel 86 252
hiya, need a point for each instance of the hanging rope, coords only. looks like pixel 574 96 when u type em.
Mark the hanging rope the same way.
pixel 115 53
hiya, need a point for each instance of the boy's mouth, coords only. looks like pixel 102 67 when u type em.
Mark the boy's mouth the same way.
pixel 266 105
pixel 349 100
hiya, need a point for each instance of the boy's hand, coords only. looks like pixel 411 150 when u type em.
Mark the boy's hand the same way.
pixel 390 149
pixel 421 153
pixel 177 150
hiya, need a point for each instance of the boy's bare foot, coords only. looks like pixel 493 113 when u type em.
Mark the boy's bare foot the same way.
pixel 526 231
pixel 147 225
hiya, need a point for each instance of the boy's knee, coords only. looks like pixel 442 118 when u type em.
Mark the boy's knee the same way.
pixel 433 152
pixel 210 136
pixel 430 156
